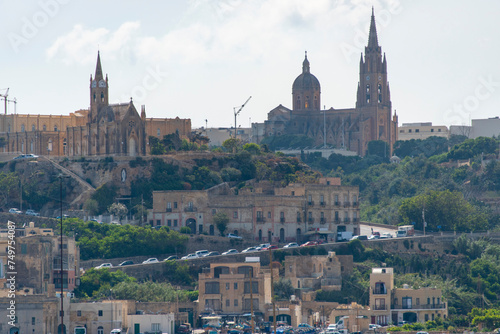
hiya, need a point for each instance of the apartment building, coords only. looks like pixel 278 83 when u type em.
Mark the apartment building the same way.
pixel 407 304
pixel 422 131
pixel 224 289
pixel 263 212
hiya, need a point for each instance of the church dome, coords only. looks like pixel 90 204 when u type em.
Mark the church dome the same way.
pixel 306 80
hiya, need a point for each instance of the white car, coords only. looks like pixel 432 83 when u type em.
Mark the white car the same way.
pixel 373 327
pixel 291 245
pixel 386 235
pixel 30 212
pixel 151 260
pixel 250 250
pixel 234 236
pixel 15 211
pixel 231 251
pixel 104 265
pixel 190 256
pixel 201 253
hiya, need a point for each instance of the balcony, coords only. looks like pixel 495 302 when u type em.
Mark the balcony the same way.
pixel 299 220
pixel 336 203
pixel 310 203
pixel 282 219
pixel 169 210
pixel 310 220
pixel 355 220
pixel 419 307
pixel 322 220
pixel 379 291
pixel 355 204
pixel 379 307
pixel 322 203
pixel 347 204
pixel 190 209
pixel 261 220
pixel 336 220
pixel 347 220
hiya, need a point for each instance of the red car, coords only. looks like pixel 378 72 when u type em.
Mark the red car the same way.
pixel 309 243
pixel 270 247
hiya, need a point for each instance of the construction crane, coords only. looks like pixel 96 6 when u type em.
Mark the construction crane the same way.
pixel 5 98
pixel 236 113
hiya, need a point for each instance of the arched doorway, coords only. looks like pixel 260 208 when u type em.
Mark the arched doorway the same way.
pixel 211 230
pixel 191 223
pixel 282 235
pixel 269 236
pixel 260 235
pixel 63 329
pixel 284 317
pixel 132 147
pixel 299 234
pixel 14 330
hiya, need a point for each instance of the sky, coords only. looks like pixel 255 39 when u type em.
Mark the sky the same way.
pixel 201 59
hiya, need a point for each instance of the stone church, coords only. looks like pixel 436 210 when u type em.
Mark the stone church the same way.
pixel 349 129
pixel 102 129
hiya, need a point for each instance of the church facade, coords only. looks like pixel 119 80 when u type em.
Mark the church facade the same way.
pixel 350 129
pixel 103 129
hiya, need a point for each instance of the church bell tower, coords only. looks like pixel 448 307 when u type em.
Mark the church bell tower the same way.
pixel 98 91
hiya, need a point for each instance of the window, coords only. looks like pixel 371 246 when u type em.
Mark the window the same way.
pixel 22 127
pixel 379 304
pixel 380 288
pixel 255 287
pixel 417 130
pixel 158 132
pixel 268 214
pixel 227 286
pixel 439 130
pixel 409 130
pixel 426 317
pixel 293 193
pixel 401 131
pixel 33 321
pixel 155 327
pixel 407 302
pixel 227 303
pixel 214 211
pixel 236 286
pixel 235 214
pixel 212 304
pixel 246 304
pixel 336 199
pixel 102 97
pixel 322 200
pixel 169 222
pixel 432 130
pixel 99 313
pixel 417 301
pixel 79 313
pixel 309 199
pixel 158 222
pixel 298 217
pixel 175 205
pixel 212 288
pixel 33 127
pixel 175 222
pixel 55 128
pixel 100 330
pixel 44 127
pixel 235 302
pixel 336 216
pixel 169 207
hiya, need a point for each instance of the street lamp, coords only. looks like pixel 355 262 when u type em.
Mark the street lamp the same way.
pixel 61 177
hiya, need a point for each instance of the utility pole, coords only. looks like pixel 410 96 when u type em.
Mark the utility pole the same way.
pixel 272 289
pixel 423 217
pixel 251 302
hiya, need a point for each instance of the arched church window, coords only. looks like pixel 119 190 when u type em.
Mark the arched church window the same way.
pixel 94 97
pixel 44 127
pixel 22 127
pixel 158 132
pixel 379 93
pixel 8 128
pixel 31 146
pixel 55 128
pixel 367 93
pixel 33 127
pixel 102 97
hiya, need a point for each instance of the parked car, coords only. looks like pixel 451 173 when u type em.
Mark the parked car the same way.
pixel 126 263
pixel 359 237
pixel 201 253
pixel 150 260
pixel 386 235
pixel 104 265
pixel 234 236
pixel 15 211
pixel 270 247
pixel 31 212
pixel 231 251
pixel 309 243
pixel 214 253
pixel 190 256
pixel 291 245
pixel 262 246
pixel 250 250
pixel 171 258
pixel 185 328
pixel 26 156
pixel 374 237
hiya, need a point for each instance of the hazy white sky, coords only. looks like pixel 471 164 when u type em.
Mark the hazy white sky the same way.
pixel 199 59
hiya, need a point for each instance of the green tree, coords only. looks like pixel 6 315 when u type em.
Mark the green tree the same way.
pixel 157 147
pixel 220 220
pixel 232 145
pixel 104 196
pixel 91 207
pixel 98 282
pixel 9 185
pixel 379 148
pixel 283 289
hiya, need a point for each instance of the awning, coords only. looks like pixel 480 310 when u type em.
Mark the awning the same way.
pixel 319 232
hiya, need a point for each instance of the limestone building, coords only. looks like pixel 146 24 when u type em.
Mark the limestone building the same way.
pixel 263 212
pixel 395 305
pixel 349 129
pixel 103 129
